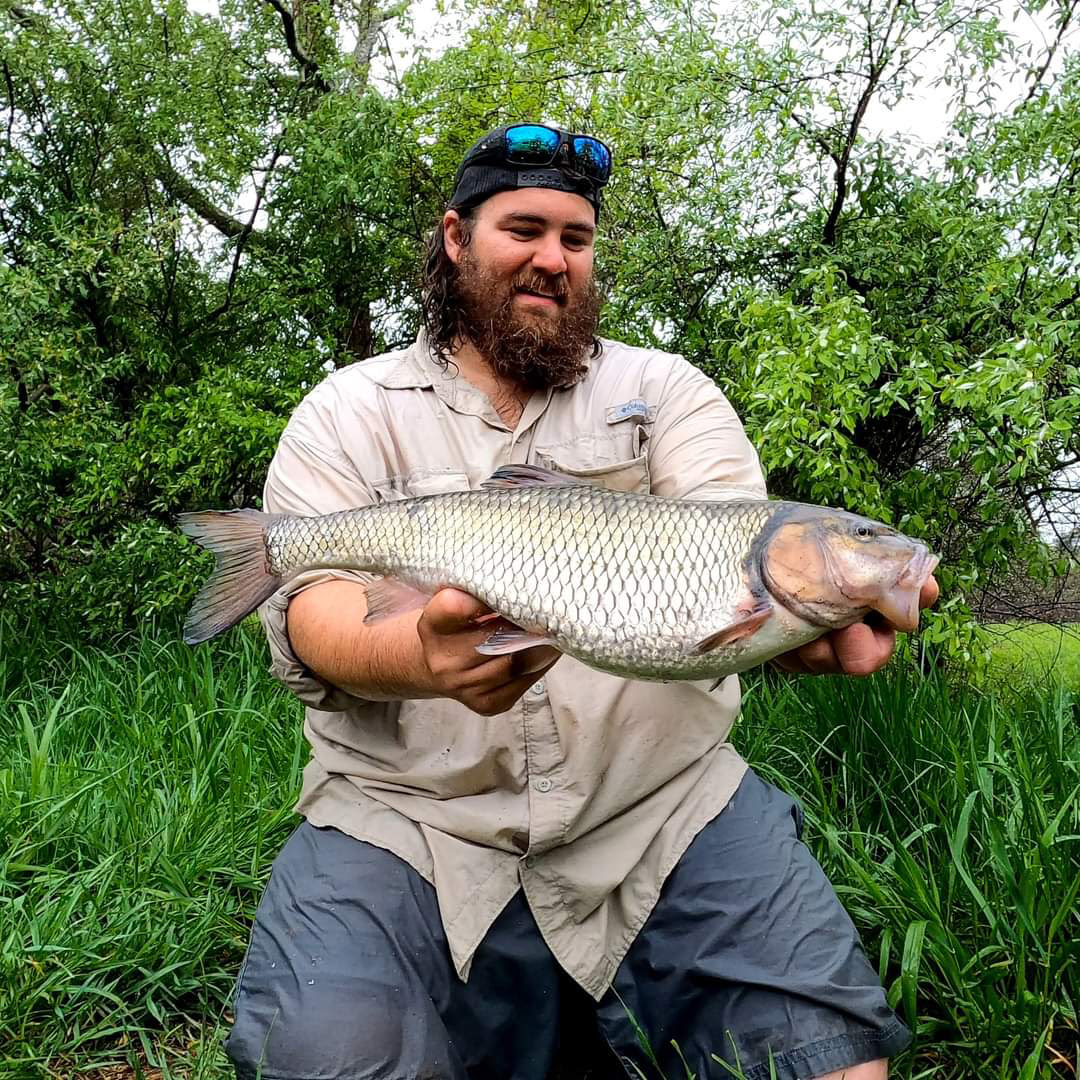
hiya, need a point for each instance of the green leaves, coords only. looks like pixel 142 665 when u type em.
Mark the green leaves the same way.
pixel 804 372
pixel 194 228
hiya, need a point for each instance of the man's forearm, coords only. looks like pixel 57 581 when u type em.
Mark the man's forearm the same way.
pixel 380 662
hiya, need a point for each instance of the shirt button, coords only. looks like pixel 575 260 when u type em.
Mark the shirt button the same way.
pixel 543 784
pixel 539 688
pixel 530 861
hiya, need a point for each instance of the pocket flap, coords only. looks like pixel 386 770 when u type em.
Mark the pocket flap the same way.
pixel 421 482
pixel 631 476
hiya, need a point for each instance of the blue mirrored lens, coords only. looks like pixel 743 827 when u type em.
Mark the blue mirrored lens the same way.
pixel 593 156
pixel 531 144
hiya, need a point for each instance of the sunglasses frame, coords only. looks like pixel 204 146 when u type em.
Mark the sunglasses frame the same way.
pixel 565 148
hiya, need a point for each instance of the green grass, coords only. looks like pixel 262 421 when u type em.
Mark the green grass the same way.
pixel 1034 654
pixel 142 797
pixel 144 793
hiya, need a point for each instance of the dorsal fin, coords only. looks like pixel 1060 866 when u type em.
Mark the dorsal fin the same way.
pixel 519 476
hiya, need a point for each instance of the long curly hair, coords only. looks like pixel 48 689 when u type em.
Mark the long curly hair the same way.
pixel 439 302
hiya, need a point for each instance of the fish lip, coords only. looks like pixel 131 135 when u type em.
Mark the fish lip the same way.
pixel 913 577
pixel 917 572
pixel 909 581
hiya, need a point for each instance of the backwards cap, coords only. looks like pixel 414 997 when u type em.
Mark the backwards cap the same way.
pixel 479 177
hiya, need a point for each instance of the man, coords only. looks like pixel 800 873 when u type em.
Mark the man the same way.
pixel 493 842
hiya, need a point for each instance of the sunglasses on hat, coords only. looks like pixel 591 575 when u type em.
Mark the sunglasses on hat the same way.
pixel 538 144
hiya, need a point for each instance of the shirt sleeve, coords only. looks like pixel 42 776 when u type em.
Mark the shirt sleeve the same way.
pixel 309 476
pixel 698 448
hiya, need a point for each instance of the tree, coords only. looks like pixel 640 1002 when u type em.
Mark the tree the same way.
pixel 199 215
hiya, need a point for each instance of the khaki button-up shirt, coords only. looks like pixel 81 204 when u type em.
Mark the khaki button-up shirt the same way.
pixel 585 793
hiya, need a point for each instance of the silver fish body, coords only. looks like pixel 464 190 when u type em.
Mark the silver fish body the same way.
pixel 637 585
pixel 625 583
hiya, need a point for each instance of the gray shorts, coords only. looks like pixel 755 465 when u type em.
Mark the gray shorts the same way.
pixel 748 955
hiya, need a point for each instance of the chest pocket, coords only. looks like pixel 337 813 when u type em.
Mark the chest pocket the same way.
pixel 627 472
pixel 420 482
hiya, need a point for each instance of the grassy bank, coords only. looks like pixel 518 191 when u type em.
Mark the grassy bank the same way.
pixel 1036 655
pixel 144 793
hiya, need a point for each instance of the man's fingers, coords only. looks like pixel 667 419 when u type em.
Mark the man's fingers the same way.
pixel 819 657
pixel 530 661
pixel 862 649
pixel 859 649
pixel 498 674
pixel 929 593
pixel 450 611
pixel 790 663
pixel 501 698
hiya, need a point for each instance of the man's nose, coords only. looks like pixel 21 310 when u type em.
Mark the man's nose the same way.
pixel 549 256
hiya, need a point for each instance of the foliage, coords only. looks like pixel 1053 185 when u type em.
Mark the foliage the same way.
pixel 144 792
pixel 200 214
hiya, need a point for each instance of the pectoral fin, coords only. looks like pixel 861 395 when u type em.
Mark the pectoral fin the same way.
pixel 743 627
pixel 387 597
pixel 511 639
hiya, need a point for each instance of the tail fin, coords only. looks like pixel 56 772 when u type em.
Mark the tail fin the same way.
pixel 241 581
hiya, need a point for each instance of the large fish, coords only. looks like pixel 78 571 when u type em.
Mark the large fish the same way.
pixel 638 585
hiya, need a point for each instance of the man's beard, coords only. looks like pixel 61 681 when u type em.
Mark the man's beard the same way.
pixel 534 348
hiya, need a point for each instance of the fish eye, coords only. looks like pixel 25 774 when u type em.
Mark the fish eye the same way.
pixel 863 532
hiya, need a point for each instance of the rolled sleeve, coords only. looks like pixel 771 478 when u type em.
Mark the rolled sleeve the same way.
pixel 309 476
pixel 285 665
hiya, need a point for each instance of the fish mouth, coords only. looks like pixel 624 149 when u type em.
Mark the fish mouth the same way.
pixel 840 599
pixel 900 603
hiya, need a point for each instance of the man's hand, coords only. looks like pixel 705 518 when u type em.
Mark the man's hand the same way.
pixel 451 625
pixel 859 649
pixel 409 656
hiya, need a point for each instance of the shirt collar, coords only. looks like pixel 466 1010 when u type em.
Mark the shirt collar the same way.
pixel 417 367
pixel 407 371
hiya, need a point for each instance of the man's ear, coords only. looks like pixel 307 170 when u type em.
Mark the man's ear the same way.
pixel 451 225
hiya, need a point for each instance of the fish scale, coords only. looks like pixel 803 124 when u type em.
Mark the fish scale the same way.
pixel 627 583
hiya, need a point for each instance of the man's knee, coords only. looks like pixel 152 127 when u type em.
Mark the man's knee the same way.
pixel 344 967
pixel 367 1039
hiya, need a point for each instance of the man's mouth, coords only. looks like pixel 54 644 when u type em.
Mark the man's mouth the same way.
pixel 554 298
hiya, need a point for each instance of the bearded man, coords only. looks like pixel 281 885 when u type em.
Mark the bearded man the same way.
pixel 497 849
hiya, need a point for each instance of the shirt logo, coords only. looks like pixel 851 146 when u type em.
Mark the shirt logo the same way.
pixel 637 408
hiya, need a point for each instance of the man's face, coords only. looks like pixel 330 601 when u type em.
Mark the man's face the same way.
pixel 525 283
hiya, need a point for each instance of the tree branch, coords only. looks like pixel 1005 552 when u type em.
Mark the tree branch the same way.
pixel 840 194
pixel 1069 173
pixel 1037 80
pixel 878 65
pixel 11 100
pixel 818 138
pixel 540 82
pixel 307 65
pixel 183 190
pixel 246 233
pixel 28 20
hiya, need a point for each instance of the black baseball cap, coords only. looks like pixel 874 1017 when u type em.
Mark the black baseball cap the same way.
pixel 532 155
